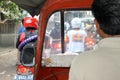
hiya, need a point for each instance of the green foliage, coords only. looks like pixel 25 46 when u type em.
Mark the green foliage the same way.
pixel 11 10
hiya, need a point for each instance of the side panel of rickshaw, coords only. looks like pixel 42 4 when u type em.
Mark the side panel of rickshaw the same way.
pixel 43 72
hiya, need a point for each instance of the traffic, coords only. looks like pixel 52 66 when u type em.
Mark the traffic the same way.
pixel 64 32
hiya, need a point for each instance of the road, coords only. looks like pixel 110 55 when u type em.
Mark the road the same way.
pixel 7 63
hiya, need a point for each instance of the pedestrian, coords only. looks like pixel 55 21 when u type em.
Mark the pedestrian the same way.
pixel 22 28
pixel 103 63
pixel 76 37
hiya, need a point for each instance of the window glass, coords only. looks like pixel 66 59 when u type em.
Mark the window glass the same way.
pixel 80 35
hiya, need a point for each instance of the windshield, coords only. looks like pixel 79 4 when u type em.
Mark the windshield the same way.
pixel 68 34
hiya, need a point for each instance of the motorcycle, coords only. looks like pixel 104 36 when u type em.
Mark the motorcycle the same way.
pixel 24 73
pixel 56 46
pixel 89 43
pixel 25 70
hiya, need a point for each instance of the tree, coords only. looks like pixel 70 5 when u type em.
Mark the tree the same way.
pixel 9 10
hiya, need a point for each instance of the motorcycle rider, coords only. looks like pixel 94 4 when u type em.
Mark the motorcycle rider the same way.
pixel 31 25
pixel 54 33
pixel 76 36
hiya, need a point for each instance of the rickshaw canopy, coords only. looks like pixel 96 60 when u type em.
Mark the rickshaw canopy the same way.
pixel 32 6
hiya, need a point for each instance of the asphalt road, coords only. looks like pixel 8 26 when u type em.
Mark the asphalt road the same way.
pixel 8 58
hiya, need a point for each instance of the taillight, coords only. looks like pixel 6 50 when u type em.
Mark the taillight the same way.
pixel 91 42
pixel 56 45
pixel 59 45
pixel 24 70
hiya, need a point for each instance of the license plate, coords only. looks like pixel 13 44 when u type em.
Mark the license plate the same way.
pixel 23 77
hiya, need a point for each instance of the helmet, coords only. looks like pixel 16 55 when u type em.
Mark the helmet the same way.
pixel 76 22
pixel 30 22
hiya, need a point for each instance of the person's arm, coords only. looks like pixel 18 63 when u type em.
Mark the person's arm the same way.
pixel 72 72
pixel 86 37
pixel 78 68
pixel 18 41
pixel 66 39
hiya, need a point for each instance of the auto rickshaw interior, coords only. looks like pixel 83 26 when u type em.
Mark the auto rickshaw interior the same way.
pixel 55 52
